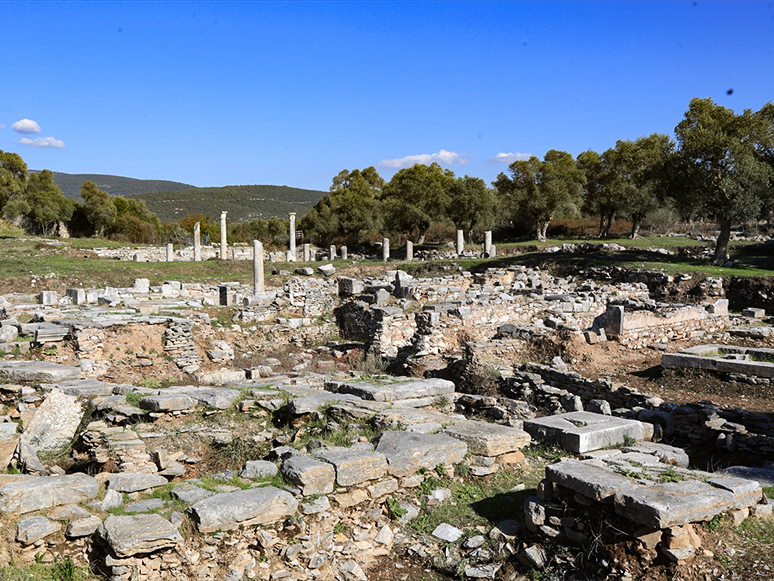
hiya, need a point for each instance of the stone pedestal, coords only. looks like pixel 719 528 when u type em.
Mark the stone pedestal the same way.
pixel 223 243
pixel 460 241
pixel 170 252
pixel 487 242
pixel 197 242
pixel 292 242
pixel 258 281
pixel 332 253
pixel 409 250
pixel 343 252
pixel 385 249
pixel 307 251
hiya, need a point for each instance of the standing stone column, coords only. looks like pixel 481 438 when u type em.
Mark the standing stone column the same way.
pixel 343 251
pixel 292 216
pixel 258 284
pixel 460 241
pixel 332 253
pixel 488 242
pixel 385 249
pixel 307 252
pixel 223 244
pixel 198 242
pixel 170 252
pixel 409 250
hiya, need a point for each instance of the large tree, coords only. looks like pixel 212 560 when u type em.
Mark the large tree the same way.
pixel 41 206
pixel 13 176
pixel 416 197
pixel 544 189
pixel 99 207
pixel 600 197
pixel 725 172
pixel 472 205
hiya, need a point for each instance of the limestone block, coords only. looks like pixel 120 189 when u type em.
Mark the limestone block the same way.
pixel 399 391
pixel 34 528
pixel 349 287
pixel 190 493
pixel 583 431
pixel 746 492
pixel 45 492
pixel 487 439
pixel 752 312
pixel 216 398
pixel 8 333
pixel 313 476
pixel 589 480
pixel 354 466
pixel 673 504
pixel 229 510
pixel 327 269
pixel 37 372
pixel 77 295
pixel 135 481
pixel 407 452
pixel 167 402
pixel 138 534
pixel 83 527
pixel 259 469
pixel 55 422
pixel 48 298
pixel 393 419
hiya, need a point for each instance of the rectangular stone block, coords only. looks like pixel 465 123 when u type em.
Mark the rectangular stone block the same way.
pixel 589 480
pixel 355 466
pixel 583 431
pixel 485 439
pixel 312 476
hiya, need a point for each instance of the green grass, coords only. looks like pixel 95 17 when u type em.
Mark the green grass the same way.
pixel 59 570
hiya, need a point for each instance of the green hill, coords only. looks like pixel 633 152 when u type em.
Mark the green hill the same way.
pixel 115 185
pixel 241 202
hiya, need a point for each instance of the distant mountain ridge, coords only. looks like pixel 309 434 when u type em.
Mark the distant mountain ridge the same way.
pixel 170 200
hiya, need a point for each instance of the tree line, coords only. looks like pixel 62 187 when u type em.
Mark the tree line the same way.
pixel 720 167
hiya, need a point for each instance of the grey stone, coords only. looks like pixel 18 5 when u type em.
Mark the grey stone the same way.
pixel 318 505
pixel 312 476
pixel 216 398
pixel 35 528
pixel 138 534
pixel 45 492
pixel 135 481
pixel 304 271
pixel 764 476
pixel 254 506
pixel 146 505
pixel 399 391
pixel 746 492
pixel 306 405
pixel 583 431
pixel 589 480
pixel 190 493
pixel 349 287
pixel 83 527
pixel 394 418
pixel 488 571
pixel 600 406
pixel 167 403
pixel 667 454
pixel 355 466
pixel 407 452
pixel 28 459
pixel 259 470
pixel 8 333
pixel 327 269
pixel 487 439
pixel 673 504
pixel 112 499
pixel 447 533
pixel 37 372
pixel 55 422
pixel 83 388
pixel 68 512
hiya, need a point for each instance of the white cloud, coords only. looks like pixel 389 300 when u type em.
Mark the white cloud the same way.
pixel 2 126
pixel 510 157
pixel 42 142
pixel 442 157
pixel 26 126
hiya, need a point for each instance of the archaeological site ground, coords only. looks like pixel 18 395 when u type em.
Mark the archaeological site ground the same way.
pixel 571 410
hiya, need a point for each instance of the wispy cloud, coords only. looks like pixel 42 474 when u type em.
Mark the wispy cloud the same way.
pixel 442 157
pixel 42 142
pixel 2 125
pixel 510 157
pixel 26 126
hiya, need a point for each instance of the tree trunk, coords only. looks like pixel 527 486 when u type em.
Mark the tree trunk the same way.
pixel 601 226
pixel 609 224
pixel 421 238
pixel 635 233
pixel 721 246
pixel 542 226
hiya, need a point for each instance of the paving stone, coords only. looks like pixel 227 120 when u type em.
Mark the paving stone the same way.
pixel 35 528
pixel 356 409
pixel 746 492
pixel 229 510
pixel 83 388
pixel 55 422
pixel 667 454
pixel 190 493
pixel 354 466
pixel 589 480
pixel 135 481
pixel 83 527
pixel 216 398
pixel 583 431
pixel 45 492
pixel 313 403
pixel 259 470
pixel 68 512
pixel 37 372
pixel 673 503
pixel 313 476
pixel 487 439
pixel 171 402
pixel 138 534
pixel 399 391
pixel 145 505
pixel 407 452
pixel 395 418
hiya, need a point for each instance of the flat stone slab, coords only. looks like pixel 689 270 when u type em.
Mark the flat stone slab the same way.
pixel 588 479
pixel 746 492
pixel 581 432
pixel 398 391
pixel 146 505
pixel 171 402
pixel 33 494
pixel 666 454
pixel 396 418
pixel 55 422
pixel 229 510
pixel 673 503
pixel 315 402
pixel 485 439
pixel 216 398
pixel 355 466
pixel 723 359
pixel 762 476
pixel 259 469
pixel 313 476
pixel 190 493
pixel 83 527
pixel 37 372
pixel 135 481
pixel 35 528
pixel 407 452
pixel 357 410
pixel 138 534
pixel 83 388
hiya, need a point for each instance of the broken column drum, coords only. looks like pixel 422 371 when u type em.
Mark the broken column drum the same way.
pixel 223 244
pixel 385 249
pixel 292 241
pixel 197 242
pixel 258 280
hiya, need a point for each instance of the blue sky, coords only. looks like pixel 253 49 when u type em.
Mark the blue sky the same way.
pixel 291 93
